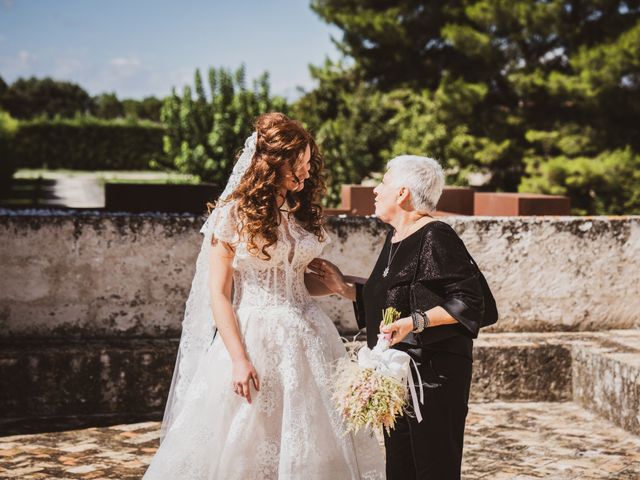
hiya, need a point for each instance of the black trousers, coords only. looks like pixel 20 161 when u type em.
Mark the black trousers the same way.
pixel 432 449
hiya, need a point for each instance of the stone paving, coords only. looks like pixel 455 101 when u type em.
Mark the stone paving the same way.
pixel 504 441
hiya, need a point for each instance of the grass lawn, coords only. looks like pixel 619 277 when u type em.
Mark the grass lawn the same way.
pixel 111 176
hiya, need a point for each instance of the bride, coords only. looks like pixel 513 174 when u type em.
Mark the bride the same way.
pixel 254 400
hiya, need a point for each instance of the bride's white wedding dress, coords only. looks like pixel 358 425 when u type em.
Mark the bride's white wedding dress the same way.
pixel 292 429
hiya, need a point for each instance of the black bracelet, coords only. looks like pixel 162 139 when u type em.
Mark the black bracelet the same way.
pixel 414 317
pixel 418 318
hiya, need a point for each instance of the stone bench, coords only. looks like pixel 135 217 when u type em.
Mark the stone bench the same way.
pixel 97 382
pixel 606 376
pixel 598 370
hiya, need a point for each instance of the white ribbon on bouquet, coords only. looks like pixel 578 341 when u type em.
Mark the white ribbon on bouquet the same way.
pixel 395 364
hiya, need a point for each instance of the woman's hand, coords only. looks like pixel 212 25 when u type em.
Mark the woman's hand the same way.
pixel 398 329
pixel 329 274
pixel 243 375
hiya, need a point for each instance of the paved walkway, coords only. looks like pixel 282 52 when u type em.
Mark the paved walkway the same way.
pixel 504 441
pixel 84 191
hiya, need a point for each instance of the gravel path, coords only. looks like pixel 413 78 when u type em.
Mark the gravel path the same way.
pixel 504 441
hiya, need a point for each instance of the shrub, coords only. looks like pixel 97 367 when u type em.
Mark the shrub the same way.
pixel 87 143
pixel 206 129
pixel 8 127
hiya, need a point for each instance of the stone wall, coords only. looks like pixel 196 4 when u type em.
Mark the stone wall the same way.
pixel 114 275
pixel 91 305
pixel 59 384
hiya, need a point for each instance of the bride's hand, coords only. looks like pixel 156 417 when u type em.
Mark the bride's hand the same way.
pixel 242 376
pixel 329 274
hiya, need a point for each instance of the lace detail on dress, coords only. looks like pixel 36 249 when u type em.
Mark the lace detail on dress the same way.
pixel 279 281
pixel 292 429
pixel 223 223
pixel 267 459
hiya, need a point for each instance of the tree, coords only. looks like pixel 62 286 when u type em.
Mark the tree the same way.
pixel 350 121
pixel 3 88
pixel 29 98
pixel 604 184
pixel 107 106
pixel 206 130
pixel 148 108
pixel 491 78
pixel 395 43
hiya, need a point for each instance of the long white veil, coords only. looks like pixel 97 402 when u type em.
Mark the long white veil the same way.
pixel 198 326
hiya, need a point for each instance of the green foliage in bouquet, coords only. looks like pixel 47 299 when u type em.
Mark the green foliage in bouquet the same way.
pixel 390 315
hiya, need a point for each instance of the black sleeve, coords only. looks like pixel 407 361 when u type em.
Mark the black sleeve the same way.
pixel 447 270
pixel 358 306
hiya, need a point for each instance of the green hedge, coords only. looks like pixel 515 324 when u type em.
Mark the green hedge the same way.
pixel 8 128
pixel 88 144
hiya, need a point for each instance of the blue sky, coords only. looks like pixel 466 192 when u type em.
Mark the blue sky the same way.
pixel 143 47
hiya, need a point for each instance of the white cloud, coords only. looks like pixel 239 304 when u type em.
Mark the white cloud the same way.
pixel 121 73
pixel 19 64
pixel 159 82
pixel 67 67
pixel 129 76
pixel 25 57
pixel 128 63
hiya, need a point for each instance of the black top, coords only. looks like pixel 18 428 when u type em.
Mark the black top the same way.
pixel 447 278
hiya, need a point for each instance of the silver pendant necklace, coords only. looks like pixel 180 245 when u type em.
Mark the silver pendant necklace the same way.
pixel 385 272
pixel 391 257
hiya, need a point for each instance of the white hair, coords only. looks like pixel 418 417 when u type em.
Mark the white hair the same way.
pixel 423 176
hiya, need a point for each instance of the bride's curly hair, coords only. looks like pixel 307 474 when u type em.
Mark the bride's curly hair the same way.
pixel 280 142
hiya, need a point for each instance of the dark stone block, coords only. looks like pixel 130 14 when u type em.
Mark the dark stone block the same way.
pixel 358 199
pixel 456 200
pixel 132 197
pixel 54 380
pixel 534 372
pixel 520 204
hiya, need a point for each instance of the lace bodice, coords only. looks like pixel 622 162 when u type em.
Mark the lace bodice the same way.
pixel 292 428
pixel 274 283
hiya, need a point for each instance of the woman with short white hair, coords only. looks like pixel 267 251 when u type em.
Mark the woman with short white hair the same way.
pixel 425 272
pixel 422 176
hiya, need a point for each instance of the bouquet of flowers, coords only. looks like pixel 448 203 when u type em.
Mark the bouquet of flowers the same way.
pixel 371 390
